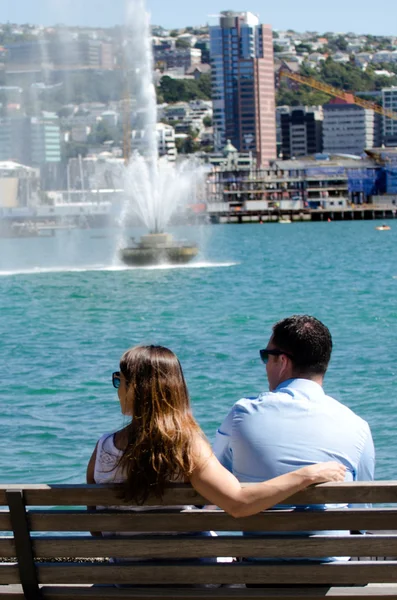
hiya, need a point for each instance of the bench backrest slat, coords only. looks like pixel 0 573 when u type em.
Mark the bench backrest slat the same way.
pixel 190 573
pixel 199 520
pixel 180 494
pixel 197 547
pixel 272 593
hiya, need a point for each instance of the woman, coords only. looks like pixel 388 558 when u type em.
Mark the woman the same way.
pixel 163 443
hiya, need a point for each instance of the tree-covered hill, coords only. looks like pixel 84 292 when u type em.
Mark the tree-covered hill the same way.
pixel 345 76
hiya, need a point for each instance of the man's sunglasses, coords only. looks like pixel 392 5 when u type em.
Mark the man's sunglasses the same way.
pixel 116 379
pixel 265 353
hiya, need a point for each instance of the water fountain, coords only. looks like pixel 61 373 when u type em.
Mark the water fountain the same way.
pixel 154 189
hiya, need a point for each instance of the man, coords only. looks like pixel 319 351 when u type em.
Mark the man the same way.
pixel 296 423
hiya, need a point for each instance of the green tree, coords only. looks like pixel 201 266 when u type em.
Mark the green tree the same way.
pixel 102 133
pixel 204 85
pixel 65 111
pixel 207 121
pixel 184 90
pixel 304 96
pixel 277 48
pixel 304 47
pixel 338 43
pixel 188 145
pixel 182 43
pixel 344 76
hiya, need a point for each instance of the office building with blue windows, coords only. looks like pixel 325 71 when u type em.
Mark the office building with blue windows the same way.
pixel 243 85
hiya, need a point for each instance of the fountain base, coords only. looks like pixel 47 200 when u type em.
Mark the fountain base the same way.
pixel 157 248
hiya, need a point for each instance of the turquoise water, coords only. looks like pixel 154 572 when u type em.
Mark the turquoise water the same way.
pixel 68 311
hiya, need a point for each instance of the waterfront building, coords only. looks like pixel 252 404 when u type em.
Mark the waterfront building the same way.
pixel 15 140
pixel 19 187
pixel 79 134
pixel 389 101
pixel 329 183
pixel 279 111
pixel 228 159
pixel 110 118
pixel 96 172
pixel 10 96
pixel 301 131
pixel 186 116
pixel 176 112
pixel 165 141
pixel 183 58
pixel 203 44
pixel 45 139
pixel 33 141
pixel 348 128
pixel 243 85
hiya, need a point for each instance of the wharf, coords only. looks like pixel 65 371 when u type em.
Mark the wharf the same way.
pixel 351 213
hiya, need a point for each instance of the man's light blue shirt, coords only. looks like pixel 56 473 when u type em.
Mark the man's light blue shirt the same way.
pixel 294 426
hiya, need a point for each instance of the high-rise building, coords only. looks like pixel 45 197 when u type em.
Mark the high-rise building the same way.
pixel 45 140
pixel 65 51
pixel 389 101
pixel 33 141
pixel 243 85
pixel 301 131
pixel 348 128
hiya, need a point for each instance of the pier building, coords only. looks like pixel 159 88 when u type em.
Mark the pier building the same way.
pixel 302 189
pixel 19 186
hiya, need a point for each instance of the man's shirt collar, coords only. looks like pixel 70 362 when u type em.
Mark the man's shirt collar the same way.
pixel 305 386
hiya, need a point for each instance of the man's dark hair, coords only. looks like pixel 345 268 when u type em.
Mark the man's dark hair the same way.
pixel 307 340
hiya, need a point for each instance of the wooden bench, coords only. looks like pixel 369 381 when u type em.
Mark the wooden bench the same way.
pixel 51 555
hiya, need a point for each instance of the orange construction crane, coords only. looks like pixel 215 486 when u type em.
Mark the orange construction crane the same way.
pixel 333 91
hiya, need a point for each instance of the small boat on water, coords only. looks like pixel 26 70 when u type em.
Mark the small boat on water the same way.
pixel 383 227
pixel 157 248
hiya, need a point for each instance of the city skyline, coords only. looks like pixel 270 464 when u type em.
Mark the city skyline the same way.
pixel 358 17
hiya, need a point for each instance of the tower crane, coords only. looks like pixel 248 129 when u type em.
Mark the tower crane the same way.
pixel 333 91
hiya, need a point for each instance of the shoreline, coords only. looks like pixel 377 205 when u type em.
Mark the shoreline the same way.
pixel 367 213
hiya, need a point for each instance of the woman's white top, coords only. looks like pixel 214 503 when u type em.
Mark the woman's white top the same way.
pixel 107 470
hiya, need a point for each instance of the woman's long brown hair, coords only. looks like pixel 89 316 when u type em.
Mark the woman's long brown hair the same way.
pixel 161 436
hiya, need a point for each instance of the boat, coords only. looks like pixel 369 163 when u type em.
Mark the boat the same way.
pixel 157 248
pixel 383 227
pixel 284 220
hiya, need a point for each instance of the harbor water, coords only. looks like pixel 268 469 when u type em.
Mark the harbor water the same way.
pixel 68 309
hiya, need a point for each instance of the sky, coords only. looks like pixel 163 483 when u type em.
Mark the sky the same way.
pixel 360 16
